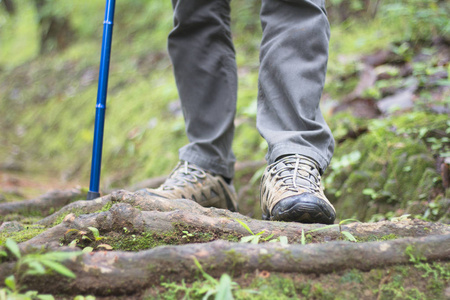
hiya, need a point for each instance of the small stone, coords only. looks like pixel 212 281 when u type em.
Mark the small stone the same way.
pixel 69 218
pixel 12 226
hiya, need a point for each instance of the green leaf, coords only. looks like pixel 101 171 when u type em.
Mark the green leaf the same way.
pixel 268 237
pixel 303 239
pixel 11 245
pixel 224 288
pixel 10 282
pixel 87 250
pixel 60 256
pixel 245 226
pixel 208 294
pixel 206 275
pixel 73 243
pixel 29 295
pixel 3 253
pixel 95 232
pixel 57 267
pixel 255 239
pixel 246 239
pixel 259 233
pixel 36 268
pixel 45 297
pixel 283 240
pixel 349 236
pixel 3 293
pixel 346 221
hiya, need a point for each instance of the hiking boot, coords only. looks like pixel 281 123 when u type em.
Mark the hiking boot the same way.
pixel 188 181
pixel 291 191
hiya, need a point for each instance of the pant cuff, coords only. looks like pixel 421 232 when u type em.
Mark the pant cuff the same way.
pixel 281 150
pixel 213 166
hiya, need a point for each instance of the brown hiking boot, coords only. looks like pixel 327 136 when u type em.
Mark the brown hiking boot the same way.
pixel 188 181
pixel 291 191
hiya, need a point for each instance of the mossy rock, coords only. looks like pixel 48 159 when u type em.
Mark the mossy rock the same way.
pixel 393 167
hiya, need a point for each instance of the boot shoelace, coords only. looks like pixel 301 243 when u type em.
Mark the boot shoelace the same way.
pixel 183 175
pixel 296 167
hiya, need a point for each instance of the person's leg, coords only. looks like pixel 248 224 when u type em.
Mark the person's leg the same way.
pixel 202 53
pixel 294 54
pixel 203 57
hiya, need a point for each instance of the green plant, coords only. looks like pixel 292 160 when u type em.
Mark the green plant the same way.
pixel 96 233
pixel 186 235
pixel 346 234
pixel 34 264
pixel 254 238
pixel 80 297
pixel 418 20
pixel 83 235
pixel 221 289
pixel 419 261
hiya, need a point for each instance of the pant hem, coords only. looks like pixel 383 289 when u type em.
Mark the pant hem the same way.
pixel 281 150
pixel 213 166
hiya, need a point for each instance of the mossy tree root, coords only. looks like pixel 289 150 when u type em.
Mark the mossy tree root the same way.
pixel 122 215
pixel 118 273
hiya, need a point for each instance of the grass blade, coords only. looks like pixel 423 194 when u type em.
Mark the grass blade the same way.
pixel 11 245
pixel 349 236
pixel 57 267
pixel 224 288
pixel 245 226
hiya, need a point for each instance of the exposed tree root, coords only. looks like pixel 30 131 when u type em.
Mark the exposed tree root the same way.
pixel 113 273
pixel 160 216
pixel 43 204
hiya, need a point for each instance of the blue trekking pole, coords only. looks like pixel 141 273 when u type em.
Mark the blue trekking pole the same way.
pixel 101 101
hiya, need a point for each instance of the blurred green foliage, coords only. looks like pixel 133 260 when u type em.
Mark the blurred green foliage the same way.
pixel 48 101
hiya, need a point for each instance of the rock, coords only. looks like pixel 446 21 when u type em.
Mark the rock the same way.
pixel 402 100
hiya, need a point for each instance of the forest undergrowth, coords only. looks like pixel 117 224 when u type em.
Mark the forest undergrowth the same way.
pixel 386 99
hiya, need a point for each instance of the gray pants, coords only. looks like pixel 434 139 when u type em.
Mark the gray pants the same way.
pixel 294 53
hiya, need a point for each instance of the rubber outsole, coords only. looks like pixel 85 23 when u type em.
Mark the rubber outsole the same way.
pixel 304 208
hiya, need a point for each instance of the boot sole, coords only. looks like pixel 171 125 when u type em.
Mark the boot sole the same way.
pixel 304 208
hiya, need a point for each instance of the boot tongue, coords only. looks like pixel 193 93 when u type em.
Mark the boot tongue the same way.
pixel 304 170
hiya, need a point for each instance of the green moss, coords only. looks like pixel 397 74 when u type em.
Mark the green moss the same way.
pixel 352 276
pixel 106 207
pixel 389 237
pixel 393 167
pixel 28 233
pixel 264 260
pixel 135 242
pixel 234 259
pixel 61 217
